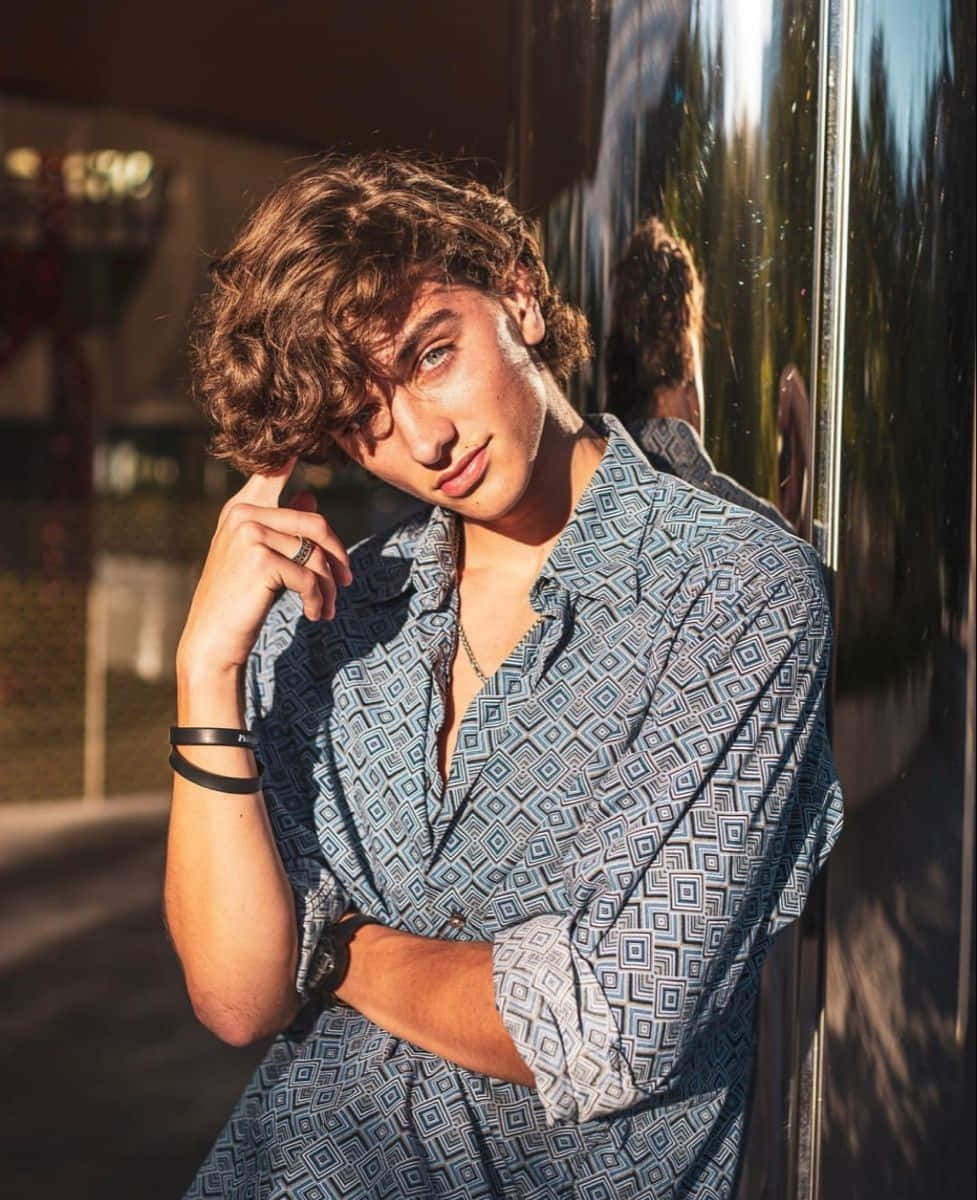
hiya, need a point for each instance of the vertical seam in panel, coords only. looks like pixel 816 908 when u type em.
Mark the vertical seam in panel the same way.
pixel 829 313
pixel 964 967
pixel 834 146
pixel 638 111
pixel 839 254
pixel 817 281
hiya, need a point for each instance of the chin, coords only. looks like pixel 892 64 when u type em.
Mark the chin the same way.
pixel 493 503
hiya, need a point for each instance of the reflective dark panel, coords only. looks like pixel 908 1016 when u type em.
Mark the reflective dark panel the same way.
pixel 709 121
pixel 899 1112
pixel 822 188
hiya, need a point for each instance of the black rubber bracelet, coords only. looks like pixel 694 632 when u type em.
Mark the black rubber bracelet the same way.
pixel 204 735
pixel 216 783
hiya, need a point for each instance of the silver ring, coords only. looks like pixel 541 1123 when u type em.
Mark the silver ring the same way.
pixel 304 552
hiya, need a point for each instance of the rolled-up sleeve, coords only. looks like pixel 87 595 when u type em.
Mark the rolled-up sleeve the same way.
pixel 291 787
pixel 699 844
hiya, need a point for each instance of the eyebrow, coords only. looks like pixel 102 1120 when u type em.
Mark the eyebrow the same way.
pixel 419 333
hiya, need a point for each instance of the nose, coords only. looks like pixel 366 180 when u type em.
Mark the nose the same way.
pixel 427 431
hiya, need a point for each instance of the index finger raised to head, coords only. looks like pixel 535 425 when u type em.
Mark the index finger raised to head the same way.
pixel 263 488
pixel 266 487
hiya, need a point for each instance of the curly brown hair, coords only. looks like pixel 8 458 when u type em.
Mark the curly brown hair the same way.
pixel 657 313
pixel 282 346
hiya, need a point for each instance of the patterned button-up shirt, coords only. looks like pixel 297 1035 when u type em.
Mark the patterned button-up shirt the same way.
pixel 638 799
pixel 672 445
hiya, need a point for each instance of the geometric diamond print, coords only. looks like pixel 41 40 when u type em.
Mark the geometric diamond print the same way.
pixel 640 799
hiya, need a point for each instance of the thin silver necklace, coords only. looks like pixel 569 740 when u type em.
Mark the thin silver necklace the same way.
pixel 462 636
pixel 471 654
pixel 482 677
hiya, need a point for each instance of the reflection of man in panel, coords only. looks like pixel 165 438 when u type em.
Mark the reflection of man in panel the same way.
pixel 544 767
pixel 654 361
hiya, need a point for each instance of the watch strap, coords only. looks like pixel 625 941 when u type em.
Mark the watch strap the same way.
pixel 340 935
pixel 345 930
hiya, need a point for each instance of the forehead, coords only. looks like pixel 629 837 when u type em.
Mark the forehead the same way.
pixel 422 312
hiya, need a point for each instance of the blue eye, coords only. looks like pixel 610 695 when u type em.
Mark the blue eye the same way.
pixel 434 357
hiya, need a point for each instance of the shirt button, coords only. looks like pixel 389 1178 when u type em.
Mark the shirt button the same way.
pixel 456 920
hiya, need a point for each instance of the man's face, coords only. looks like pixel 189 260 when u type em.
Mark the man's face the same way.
pixel 461 426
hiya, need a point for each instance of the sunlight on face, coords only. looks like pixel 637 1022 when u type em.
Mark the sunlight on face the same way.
pixel 460 419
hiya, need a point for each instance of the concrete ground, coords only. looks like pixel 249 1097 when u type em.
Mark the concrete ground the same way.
pixel 108 1087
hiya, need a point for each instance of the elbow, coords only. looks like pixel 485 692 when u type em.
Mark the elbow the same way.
pixel 237 1034
pixel 239 1000
pixel 242 1026
pixel 229 1029
pixel 238 1029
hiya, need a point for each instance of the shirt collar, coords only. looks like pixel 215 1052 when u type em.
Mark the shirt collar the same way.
pixel 596 555
pixel 435 565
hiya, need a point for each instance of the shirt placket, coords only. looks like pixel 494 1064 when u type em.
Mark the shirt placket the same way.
pixel 439 652
pixel 484 727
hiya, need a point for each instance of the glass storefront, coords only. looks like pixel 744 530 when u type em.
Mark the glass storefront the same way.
pixel 107 500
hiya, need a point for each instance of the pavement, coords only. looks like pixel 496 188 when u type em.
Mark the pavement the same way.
pixel 110 1088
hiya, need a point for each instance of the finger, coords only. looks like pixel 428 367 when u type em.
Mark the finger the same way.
pixel 326 568
pixel 266 487
pixel 340 571
pixel 263 488
pixel 298 524
pixel 307 584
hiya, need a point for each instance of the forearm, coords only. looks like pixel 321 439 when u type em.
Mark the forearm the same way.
pixel 229 906
pixel 436 994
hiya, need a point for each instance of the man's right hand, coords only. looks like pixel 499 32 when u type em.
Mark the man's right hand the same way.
pixel 248 564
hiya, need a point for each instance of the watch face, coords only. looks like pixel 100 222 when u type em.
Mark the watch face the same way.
pixel 323 961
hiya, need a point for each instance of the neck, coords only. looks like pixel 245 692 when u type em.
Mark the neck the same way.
pixel 680 402
pixel 519 543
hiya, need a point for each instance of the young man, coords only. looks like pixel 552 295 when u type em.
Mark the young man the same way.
pixel 544 768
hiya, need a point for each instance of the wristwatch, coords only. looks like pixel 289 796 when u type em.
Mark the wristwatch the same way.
pixel 330 960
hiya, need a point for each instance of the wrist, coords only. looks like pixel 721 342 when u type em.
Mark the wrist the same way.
pixel 331 960
pixel 370 957
pixel 198 659
pixel 209 696
pixel 198 663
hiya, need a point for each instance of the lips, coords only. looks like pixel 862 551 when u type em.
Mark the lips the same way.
pixel 465 475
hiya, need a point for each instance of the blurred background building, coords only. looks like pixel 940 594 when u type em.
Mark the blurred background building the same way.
pixel 818 156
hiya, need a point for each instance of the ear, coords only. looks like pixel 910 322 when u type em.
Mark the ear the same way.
pixel 521 301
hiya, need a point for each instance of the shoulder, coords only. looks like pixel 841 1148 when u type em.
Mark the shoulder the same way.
pixel 669 518
pixel 680 543
pixel 674 447
pixel 702 550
